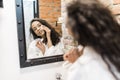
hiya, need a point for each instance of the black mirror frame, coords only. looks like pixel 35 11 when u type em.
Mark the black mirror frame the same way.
pixel 1 3
pixel 22 42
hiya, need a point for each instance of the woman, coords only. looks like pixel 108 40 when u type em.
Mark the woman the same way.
pixel 94 27
pixel 46 40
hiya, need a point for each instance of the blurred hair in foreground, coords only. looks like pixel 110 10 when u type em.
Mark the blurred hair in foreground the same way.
pixel 96 27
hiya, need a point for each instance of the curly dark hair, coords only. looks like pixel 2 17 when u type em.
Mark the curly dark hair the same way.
pixel 55 37
pixel 95 26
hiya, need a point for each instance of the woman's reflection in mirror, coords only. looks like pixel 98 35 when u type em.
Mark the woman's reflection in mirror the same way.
pixel 46 40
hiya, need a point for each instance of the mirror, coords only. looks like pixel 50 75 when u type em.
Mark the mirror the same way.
pixel 39 31
pixel 41 16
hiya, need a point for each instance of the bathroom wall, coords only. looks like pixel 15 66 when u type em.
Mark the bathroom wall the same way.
pixel 63 15
pixel 114 6
pixel 50 10
pixel 9 56
pixel 116 9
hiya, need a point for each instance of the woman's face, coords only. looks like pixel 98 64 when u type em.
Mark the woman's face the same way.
pixel 37 28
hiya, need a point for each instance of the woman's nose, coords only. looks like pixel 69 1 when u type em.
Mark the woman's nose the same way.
pixel 38 28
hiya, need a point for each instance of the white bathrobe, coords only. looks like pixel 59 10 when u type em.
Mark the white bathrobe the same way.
pixel 34 52
pixel 90 66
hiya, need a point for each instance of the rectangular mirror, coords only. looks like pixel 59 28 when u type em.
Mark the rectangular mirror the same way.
pixel 39 32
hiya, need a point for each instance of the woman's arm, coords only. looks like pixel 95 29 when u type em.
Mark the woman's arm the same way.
pixel 49 43
pixel 48 35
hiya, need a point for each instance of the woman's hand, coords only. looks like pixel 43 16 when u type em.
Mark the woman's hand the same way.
pixel 48 35
pixel 73 55
pixel 41 46
pixel 47 30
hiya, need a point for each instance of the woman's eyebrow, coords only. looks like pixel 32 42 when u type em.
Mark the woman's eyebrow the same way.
pixel 38 24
